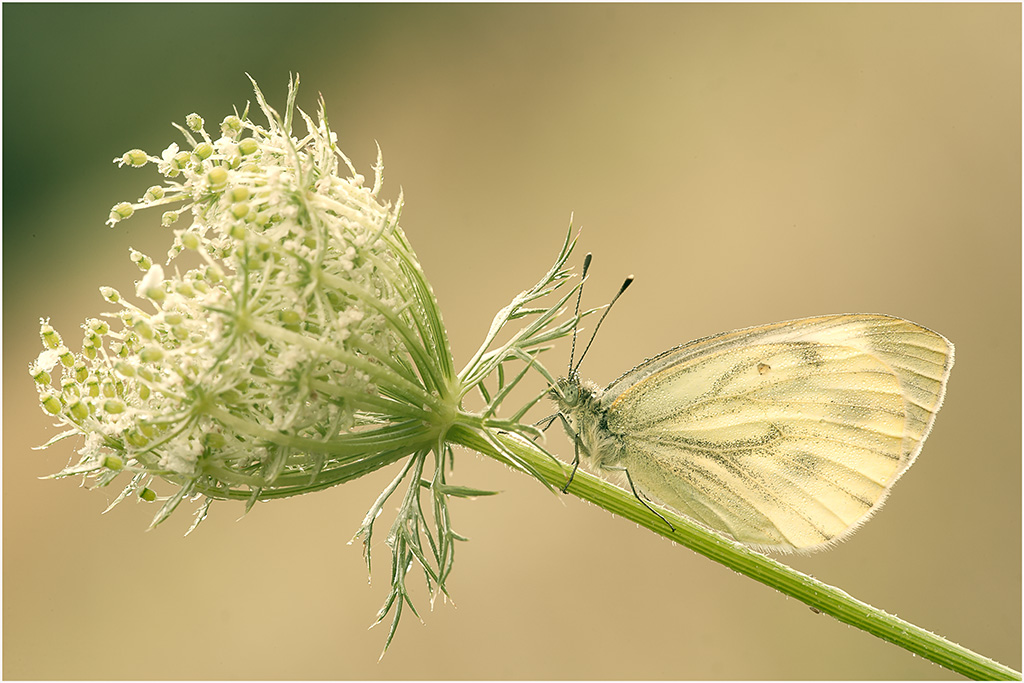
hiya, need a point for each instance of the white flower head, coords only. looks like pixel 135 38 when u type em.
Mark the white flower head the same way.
pixel 284 335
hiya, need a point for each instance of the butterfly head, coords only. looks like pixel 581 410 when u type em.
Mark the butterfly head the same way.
pixel 566 392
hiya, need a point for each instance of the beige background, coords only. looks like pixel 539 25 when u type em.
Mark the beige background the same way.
pixel 747 163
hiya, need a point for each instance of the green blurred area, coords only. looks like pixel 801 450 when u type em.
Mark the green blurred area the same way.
pixel 748 163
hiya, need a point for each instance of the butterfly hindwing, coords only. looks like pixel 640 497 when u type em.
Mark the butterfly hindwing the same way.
pixel 786 436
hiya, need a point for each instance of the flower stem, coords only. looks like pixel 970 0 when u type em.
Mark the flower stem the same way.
pixel 786 580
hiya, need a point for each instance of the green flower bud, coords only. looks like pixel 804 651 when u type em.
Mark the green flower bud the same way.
pixel 136 438
pixel 238 194
pixel 141 260
pixel 240 209
pixel 148 495
pixel 190 240
pixel 51 404
pixel 113 406
pixel 154 193
pixel 144 329
pixel 51 339
pixel 121 211
pixel 203 150
pixel 98 326
pixel 180 160
pixel 289 317
pixel 247 146
pixel 194 122
pixel 81 373
pixel 134 157
pixel 218 178
pixel 231 126
pixel 78 410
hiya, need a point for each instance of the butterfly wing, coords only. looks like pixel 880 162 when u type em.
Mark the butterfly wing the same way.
pixel 787 436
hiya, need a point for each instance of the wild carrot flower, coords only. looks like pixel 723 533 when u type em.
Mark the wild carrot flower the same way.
pixel 290 343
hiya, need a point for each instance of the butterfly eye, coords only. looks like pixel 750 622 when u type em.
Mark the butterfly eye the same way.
pixel 567 391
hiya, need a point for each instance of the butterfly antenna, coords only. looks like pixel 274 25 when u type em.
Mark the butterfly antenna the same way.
pixel 579 296
pixel 625 285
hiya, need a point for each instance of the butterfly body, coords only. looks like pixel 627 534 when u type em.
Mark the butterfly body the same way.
pixel 784 437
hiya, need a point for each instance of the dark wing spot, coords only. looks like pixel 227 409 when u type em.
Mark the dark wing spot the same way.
pixel 811 355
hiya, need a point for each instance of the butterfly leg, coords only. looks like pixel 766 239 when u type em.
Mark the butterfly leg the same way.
pixel 640 498
pixel 550 420
pixel 576 442
pixel 575 466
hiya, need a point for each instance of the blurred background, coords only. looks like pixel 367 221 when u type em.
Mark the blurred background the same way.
pixel 748 163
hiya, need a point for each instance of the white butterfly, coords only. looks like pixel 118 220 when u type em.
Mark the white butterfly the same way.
pixel 784 437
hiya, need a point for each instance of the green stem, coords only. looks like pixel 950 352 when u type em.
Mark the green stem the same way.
pixel 743 560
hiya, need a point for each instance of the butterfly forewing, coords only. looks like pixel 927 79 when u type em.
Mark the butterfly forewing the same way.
pixel 786 436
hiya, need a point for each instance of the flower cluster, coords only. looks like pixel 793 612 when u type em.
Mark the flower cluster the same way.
pixel 290 344
pixel 296 334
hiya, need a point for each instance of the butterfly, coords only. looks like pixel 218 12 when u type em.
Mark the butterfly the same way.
pixel 785 437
